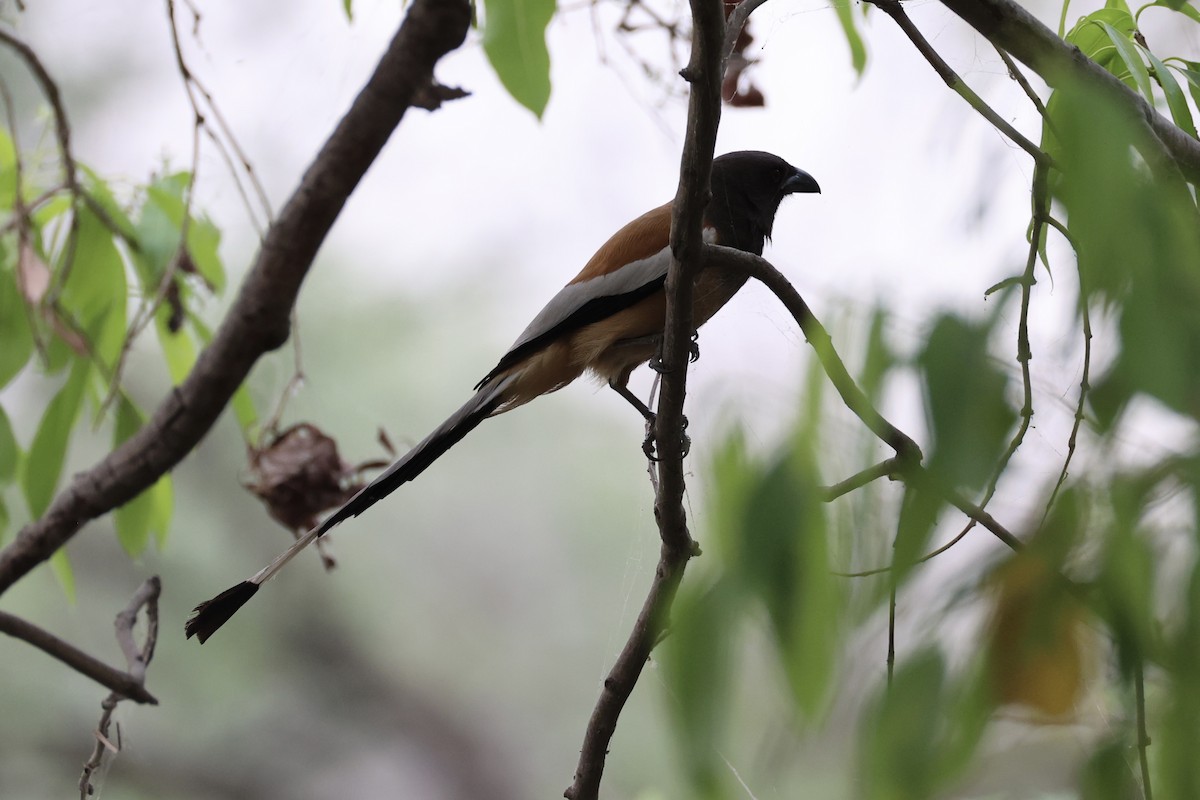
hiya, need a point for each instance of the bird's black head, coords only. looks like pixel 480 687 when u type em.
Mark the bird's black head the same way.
pixel 747 188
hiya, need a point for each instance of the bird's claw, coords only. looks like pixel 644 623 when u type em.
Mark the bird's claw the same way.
pixel 656 363
pixel 650 443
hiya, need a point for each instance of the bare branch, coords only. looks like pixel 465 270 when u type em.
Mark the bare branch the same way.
pixel 733 27
pixel 704 74
pixel 108 677
pixel 138 658
pixel 258 321
pixel 883 469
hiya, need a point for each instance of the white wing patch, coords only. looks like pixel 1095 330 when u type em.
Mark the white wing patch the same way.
pixel 575 296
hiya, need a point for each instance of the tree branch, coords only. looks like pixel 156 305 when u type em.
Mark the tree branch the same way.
pixel 703 73
pixel 717 257
pixel 1009 26
pixel 896 11
pixel 138 658
pixel 122 683
pixel 258 320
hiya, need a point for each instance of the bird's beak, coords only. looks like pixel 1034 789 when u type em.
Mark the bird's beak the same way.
pixel 801 182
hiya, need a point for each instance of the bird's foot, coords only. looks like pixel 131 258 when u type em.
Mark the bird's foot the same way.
pixel 650 443
pixel 656 363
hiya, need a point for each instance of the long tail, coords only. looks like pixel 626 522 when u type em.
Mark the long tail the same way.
pixel 212 614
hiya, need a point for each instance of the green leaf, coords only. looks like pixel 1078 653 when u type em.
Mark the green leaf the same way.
pixel 61 565
pixel 10 451
pixel 160 221
pixel 8 171
pixel 348 8
pixel 150 511
pixel 858 50
pixel 1182 6
pixel 243 403
pixel 1176 100
pixel 95 294
pixel 1107 774
pixel 514 39
pixel 1132 60
pixel 53 208
pixel 4 518
pixel 14 324
pixel 733 475
pixel 44 462
pixel 919 514
pixel 969 418
pixel 784 559
pixel 1192 75
pixel 100 192
pixel 1125 590
pixel 900 738
pixel 1180 768
pixel 921 733
pixel 244 410
pixel 1091 37
pixel 879 358
pixel 1145 267
pixel 177 347
pixel 697 665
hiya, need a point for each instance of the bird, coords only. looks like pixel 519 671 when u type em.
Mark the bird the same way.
pixel 607 322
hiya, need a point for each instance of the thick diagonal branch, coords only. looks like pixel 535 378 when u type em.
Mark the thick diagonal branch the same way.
pixel 258 321
pixel 1009 26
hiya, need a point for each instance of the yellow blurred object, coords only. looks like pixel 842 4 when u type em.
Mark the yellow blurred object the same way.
pixel 1038 640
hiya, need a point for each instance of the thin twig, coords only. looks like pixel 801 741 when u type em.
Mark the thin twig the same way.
pixel 62 131
pixel 893 582
pixel 896 11
pixel 883 469
pixel 1009 25
pixel 1084 381
pixel 137 659
pixel 1015 73
pixel 1143 744
pixel 1040 200
pixel 76 659
pixel 148 309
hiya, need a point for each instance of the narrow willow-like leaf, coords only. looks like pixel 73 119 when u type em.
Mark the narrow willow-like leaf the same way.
pixel 48 451
pixel 1132 60
pixel 858 49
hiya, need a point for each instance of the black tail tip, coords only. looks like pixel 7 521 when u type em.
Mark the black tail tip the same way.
pixel 209 616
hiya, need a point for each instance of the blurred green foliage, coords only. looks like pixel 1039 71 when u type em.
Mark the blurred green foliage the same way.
pixel 1086 608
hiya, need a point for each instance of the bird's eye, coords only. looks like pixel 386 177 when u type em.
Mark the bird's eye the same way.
pixel 777 173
